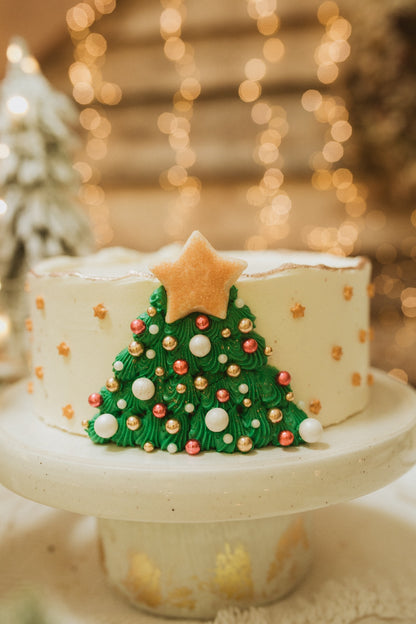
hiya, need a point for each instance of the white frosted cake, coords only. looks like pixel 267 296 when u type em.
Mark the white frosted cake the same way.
pixel 312 310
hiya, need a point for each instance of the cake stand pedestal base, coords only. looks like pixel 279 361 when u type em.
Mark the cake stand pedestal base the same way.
pixel 193 570
pixel 186 536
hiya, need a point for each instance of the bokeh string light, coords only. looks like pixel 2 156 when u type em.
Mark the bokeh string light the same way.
pixel 268 197
pixel 329 109
pixel 396 310
pixel 93 94
pixel 176 123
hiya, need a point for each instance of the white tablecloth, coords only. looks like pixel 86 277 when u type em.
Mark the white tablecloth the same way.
pixel 364 569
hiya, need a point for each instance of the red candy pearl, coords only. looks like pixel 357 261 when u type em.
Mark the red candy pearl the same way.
pixel 283 378
pixel 95 399
pixel 181 367
pixel 192 447
pixel 159 410
pixel 250 345
pixel 137 326
pixel 286 438
pixel 222 395
pixel 202 322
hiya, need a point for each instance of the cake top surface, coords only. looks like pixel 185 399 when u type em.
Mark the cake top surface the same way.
pixel 119 262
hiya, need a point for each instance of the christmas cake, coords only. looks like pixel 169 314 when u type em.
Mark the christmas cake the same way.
pixel 190 349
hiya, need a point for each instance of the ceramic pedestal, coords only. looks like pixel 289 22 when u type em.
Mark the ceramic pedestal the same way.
pixel 185 536
pixel 193 570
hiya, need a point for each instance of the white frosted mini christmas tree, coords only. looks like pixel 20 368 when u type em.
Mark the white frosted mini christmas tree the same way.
pixel 40 216
pixel 39 212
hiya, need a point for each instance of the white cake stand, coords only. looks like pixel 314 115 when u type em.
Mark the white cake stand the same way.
pixel 185 536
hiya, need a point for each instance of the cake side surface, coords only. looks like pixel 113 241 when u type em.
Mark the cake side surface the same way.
pixel 312 309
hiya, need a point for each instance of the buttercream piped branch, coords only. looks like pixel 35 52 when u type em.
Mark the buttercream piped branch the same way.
pixel 195 375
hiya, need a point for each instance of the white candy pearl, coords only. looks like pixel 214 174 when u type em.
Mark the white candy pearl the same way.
pixel 189 408
pixel 150 354
pixel 154 329
pixel 228 438
pixel 243 388
pixel 118 366
pixel 310 430
pixel 200 345
pixel 143 388
pixel 239 303
pixel 105 425
pixel 217 419
pixel 121 403
pixel 172 448
pixel 222 358
pixel 255 423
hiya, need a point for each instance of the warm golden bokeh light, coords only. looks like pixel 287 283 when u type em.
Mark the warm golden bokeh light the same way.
pixel 273 50
pixel 249 91
pixel 261 113
pixel 14 53
pixel 327 11
pixel 255 69
pixel 268 24
pixel 311 100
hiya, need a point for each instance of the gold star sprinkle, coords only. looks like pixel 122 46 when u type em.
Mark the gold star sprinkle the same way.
pixel 30 387
pixel 371 290
pixel 356 379
pixel 68 411
pixel 199 280
pixel 348 292
pixel 40 302
pixel 298 310
pixel 336 352
pixel 29 324
pixel 362 335
pixel 100 311
pixel 39 372
pixel 63 349
pixel 315 406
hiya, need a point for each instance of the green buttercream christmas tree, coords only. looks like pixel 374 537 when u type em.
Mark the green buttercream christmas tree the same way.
pixel 195 376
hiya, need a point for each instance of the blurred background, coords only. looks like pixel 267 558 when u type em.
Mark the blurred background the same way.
pixel 264 124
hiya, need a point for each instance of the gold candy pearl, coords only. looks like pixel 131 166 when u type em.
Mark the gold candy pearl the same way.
pixel 200 383
pixel 244 444
pixel 245 325
pixel 133 423
pixel 159 371
pixel 275 415
pixel 172 425
pixel 135 348
pixel 268 351
pixel 112 384
pixel 247 402
pixel 226 333
pixel 181 388
pixel 85 424
pixel 233 370
pixel 290 396
pixel 151 312
pixel 169 343
pixel 148 447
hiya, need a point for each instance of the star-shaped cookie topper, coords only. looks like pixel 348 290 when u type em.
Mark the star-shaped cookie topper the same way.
pixel 199 280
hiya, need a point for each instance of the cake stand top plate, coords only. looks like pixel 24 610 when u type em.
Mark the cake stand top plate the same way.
pixel 62 470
